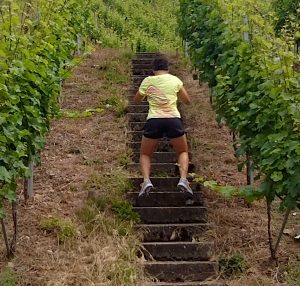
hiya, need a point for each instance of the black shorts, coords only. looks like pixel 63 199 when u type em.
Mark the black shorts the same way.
pixel 156 128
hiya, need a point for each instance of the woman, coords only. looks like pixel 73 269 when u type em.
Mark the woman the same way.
pixel 162 91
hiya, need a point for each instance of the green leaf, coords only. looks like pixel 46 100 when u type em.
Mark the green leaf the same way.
pixel 298 150
pixel 277 176
pixel 4 175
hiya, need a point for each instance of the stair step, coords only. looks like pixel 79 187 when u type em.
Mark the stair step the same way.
pixel 212 283
pixel 158 157
pixel 136 126
pixel 183 271
pixel 164 199
pixel 162 183
pixel 132 108
pixel 186 251
pixel 138 64
pixel 137 117
pixel 158 169
pixel 164 146
pixel 137 135
pixel 137 79
pixel 161 215
pixel 141 71
pixel 172 232
pixel 146 54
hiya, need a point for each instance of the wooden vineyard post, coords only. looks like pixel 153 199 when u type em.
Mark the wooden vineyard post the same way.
pixel 28 184
pixel 78 44
pixel 186 48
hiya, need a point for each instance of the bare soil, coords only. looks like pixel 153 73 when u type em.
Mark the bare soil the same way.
pixel 78 149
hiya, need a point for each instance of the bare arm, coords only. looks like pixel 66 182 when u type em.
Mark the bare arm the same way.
pixel 138 97
pixel 183 96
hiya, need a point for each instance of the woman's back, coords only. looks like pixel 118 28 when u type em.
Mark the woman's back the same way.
pixel 161 93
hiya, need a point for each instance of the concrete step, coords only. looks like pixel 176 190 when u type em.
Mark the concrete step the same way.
pixel 142 61
pixel 137 79
pixel 136 136
pixel 165 199
pixel 161 169
pixel 132 108
pixel 172 232
pixel 141 64
pixel 164 146
pixel 183 271
pixel 178 251
pixel 137 117
pixel 141 71
pixel 146 54
pixel 212 283
pixel 158 157
pixel 136 126
pixel 162 184
pixel 161 215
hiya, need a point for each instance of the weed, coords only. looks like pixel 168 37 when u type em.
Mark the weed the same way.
pixel 123 271
pixel 114 103
pixel 64 230
pixel 73 188
pixel 8 278
pixel 102 202
pixel 124 211
pixel 80 114
pixel 124 159
pixel 232 265
pixel 113 185
pixel 94 162
pixel 86 214
pixel 292 273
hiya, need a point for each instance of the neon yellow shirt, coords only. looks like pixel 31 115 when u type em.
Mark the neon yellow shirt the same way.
pixel 161 93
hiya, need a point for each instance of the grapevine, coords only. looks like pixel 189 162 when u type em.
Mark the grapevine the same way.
pixel 255 89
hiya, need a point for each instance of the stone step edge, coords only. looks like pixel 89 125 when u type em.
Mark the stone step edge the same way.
pixel 179 242
pixel 208 283
pixel 147 225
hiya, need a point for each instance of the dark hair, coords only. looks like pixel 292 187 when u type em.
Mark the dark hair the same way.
pixel 160 63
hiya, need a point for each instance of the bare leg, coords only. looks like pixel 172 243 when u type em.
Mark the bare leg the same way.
pixel 148 146
pixel 181 148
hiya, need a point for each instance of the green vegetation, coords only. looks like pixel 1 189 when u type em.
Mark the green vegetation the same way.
pixel 144 25
pixel 292 273
pixel 64 230
pixel 38 42
pixel 8 278
pixel 232 265
pixel 288 16
pixel 255 89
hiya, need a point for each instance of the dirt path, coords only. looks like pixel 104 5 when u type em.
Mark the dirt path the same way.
pixel 79 150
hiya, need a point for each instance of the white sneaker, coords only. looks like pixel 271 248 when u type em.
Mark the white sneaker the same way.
pixel 184 186
pixel 146 187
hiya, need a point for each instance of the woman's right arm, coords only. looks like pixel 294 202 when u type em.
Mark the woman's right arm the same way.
pixel 184 96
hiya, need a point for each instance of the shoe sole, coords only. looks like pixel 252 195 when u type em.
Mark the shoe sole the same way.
pixel 185 191
pixel 146 192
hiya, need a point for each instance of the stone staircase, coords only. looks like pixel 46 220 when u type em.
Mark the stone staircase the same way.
pixel 176 254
